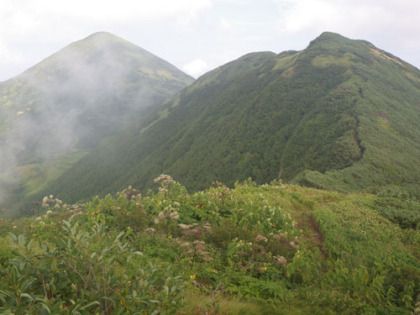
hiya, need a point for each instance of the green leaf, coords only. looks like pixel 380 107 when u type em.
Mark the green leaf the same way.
pixel 28 296
pixel 111 260
pixel 119 236
pixel 6 293
pixel 89 305
pixel 21 265
pixel 166 289
pixel 45 309
pixel 21 239
pixel 27 283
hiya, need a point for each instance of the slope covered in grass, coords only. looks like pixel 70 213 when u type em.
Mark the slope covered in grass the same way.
pixel 270 249
pixel 341 114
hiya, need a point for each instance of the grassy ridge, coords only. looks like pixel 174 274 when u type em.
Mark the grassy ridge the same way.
pixel 339 115
pixel 387 113
pixel 270 249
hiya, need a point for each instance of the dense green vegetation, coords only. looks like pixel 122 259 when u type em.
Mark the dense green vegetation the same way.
pixel 340 115
pixel 68 103
pixel 270 249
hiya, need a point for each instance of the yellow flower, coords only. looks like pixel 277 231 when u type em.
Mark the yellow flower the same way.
pixel 192 277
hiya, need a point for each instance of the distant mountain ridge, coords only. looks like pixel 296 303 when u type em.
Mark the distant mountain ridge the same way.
pixel 69 102
pixel 340 114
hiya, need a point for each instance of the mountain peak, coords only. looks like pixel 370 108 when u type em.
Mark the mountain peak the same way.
pixel 77 97
pixel 101 41
pixel 103 38
pixel 330 36
pixel 333 40
pixel 110 54
pixel 102 34
pixel 334 44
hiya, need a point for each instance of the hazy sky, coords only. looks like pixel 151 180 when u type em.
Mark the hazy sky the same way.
pixel 199 35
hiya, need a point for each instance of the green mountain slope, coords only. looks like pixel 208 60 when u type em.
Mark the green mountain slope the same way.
pixel 341 114
pixel 74 99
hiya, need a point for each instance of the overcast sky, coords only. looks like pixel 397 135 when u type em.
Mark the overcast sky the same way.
pixel 199 35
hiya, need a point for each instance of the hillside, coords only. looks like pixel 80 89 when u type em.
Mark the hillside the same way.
pixel 68 103
pixel 341 115
pixel 270 249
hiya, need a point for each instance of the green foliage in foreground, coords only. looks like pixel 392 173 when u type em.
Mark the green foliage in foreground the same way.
pixel 271 249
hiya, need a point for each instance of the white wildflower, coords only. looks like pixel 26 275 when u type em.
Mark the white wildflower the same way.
pixel 293 244
pixel 208 228
pixel 174 216
pixel 261 238
pixel 281 260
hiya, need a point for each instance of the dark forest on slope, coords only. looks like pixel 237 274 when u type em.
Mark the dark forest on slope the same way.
pixel 341 114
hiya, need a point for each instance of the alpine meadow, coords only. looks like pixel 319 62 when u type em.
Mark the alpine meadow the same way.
pixel 275 184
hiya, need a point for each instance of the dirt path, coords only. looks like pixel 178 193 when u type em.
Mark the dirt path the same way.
pixel 307 223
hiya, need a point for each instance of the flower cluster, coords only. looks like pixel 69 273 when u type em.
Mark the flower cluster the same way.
pixel 131 193
pixel 168 215
pixel 194 230
pixel 261 238
pixel 164 180
pixel 196 249
pixel 281 260
pixel 51 202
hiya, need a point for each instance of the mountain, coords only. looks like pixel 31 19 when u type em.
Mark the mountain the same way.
pixel 341 114
pixel 67 104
